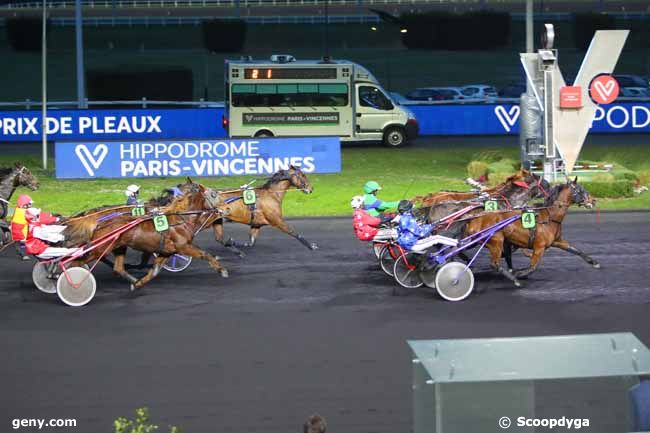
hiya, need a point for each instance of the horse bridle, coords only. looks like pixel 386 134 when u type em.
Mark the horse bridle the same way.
pixel 301 185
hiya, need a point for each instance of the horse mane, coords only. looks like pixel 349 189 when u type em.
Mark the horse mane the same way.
pixel 6 171
pixel 278 176
pixel 554 193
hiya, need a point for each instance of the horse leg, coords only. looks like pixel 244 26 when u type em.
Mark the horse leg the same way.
pixel 507 254
pixel 118 266
pixel 196 252
pixel 496 251
pixel 217 229
pixel 565 246
pixel 283 226
pixel 253 232
pixel 158 263
pixel 538 252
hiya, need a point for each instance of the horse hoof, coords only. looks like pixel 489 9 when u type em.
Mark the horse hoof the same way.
pixel 224 273
pixel 132 288
pixel 596 265
pixel 313 246
pixel 517 284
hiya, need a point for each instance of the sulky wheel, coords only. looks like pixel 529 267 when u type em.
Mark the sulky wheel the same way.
pixel 76 286
pixel 44 276
pixel 406 271
pixel 387 258
pixel 177 263
pixel 454 281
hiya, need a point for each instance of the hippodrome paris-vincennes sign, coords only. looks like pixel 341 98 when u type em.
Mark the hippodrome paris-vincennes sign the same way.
pixel 76 160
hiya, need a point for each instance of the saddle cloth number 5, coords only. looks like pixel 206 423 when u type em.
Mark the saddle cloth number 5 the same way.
pixel 160 223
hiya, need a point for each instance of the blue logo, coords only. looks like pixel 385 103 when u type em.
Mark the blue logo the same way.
pixel 202 158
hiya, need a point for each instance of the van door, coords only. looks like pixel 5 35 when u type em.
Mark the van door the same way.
pixel 373 112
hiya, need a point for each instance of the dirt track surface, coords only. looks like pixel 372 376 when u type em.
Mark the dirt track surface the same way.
pixel 291 332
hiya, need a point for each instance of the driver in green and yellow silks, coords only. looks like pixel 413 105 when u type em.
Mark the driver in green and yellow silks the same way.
pixel 371 203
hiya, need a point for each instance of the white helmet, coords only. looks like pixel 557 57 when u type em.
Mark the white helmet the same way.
pixel 357 202
pixel 131 190
pixel 34 211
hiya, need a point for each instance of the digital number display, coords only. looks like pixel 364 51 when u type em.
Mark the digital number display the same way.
pixel 289 73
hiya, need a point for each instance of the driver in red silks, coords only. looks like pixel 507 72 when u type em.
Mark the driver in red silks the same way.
pixel 367 227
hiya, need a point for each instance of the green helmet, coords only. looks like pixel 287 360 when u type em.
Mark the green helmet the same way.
pixel 371 186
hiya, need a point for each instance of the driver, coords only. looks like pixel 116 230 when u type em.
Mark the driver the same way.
pixel 416 237
pixel 366 227
pixel 371 203
pixel 132 195
pixel 32 227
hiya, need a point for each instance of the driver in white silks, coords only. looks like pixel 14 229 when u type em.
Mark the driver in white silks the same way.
pixel 42 231
pixel 415 237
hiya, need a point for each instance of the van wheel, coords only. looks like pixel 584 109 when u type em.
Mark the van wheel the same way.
pixel 394 137
pixel 263 133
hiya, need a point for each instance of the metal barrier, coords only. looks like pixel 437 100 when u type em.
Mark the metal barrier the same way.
pixel 28 104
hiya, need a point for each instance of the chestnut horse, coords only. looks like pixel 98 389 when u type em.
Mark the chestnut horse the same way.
pixel 546 233
pixel 267 209
pixel 185 215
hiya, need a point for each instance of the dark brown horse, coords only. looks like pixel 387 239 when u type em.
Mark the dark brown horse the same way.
pixel 267 209
pixel 547 232
pixel 518 190
pixel 496 193
pixel 10 179
pixel 185 216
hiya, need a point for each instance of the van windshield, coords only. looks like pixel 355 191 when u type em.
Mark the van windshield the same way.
pixel 370 96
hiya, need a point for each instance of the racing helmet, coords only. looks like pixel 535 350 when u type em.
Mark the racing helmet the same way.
pixel 404 206
pixel 33 211
pixel 371 186
pixel 132 190
pixel 357 202
pixel 24 200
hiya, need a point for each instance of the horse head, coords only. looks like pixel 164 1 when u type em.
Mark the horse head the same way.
pixel 25 177
pixel 579 194
pixel 570 193
pixel 299 179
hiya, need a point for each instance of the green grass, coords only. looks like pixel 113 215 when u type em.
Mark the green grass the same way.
pixel 402 173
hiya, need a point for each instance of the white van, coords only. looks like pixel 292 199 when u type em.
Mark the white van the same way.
pixel 283 97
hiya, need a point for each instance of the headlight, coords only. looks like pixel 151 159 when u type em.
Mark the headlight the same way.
pixel 410 115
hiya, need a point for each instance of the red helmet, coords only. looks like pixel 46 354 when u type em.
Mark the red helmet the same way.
pixel 24 200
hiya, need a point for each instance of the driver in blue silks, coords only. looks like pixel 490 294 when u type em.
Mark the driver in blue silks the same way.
pixel 410 232
pixel 417 237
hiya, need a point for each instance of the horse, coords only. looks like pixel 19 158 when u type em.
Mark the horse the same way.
pixel 81 225
pixel 267 209
pixel 186 216
pixel 516 191
pixel 10 179
pixel 496 193
pixel 546 233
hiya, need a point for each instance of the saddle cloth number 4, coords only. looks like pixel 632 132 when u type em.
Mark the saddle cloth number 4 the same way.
pixel 160 223
pixel 528 220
